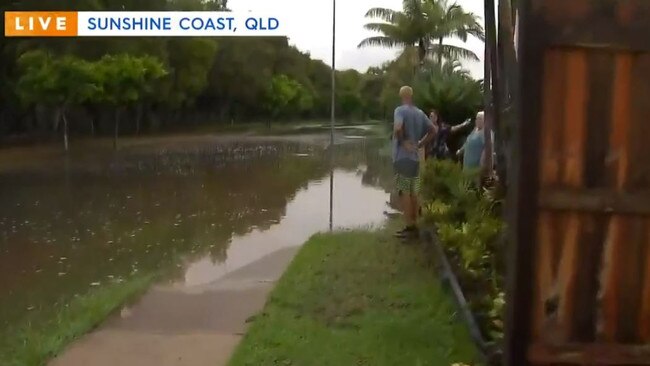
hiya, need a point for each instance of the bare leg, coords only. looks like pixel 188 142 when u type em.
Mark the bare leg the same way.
pixel 415 208
pixel 407 208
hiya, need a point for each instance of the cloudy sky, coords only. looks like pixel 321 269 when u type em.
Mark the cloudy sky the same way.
pixel 309 27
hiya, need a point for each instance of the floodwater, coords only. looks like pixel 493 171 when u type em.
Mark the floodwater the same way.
pixel 195 210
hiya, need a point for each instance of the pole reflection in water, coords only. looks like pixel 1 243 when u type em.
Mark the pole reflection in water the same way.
pixel 331 199
pixel 333 116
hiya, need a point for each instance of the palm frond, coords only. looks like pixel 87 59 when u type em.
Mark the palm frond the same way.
pixel 453 52
pixel 385 14
pixel 382 41
pixel 383 28
pixel 456 22
pixel 449 89
pixel 412 8
pixel 464 27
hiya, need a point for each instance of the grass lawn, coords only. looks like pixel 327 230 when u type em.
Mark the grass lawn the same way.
pixel 357 298
pixel 50 330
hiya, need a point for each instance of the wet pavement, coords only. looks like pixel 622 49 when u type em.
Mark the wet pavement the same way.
pixel 182 326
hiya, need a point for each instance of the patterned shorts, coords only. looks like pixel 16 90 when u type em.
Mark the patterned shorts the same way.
pixel 407 185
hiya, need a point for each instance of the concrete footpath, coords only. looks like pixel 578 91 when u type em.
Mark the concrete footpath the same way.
pixel 185 326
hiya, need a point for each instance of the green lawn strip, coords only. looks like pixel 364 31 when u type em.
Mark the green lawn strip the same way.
pixel 357 298
pixel 51 330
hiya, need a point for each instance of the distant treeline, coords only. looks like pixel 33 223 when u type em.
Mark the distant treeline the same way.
pixel 227 80
pixel 85 86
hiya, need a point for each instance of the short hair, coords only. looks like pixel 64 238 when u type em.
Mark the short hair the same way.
pixel 405 91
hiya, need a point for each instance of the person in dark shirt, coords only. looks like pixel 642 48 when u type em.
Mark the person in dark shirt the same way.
pixel 438 149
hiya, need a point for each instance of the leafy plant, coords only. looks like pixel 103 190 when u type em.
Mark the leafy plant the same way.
pixel 496 314
pixel 450 89
pixel 469 228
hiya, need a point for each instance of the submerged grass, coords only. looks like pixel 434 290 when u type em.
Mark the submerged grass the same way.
pixel 50 330
pixel 357 298
pixel 359 129
pixel 364 128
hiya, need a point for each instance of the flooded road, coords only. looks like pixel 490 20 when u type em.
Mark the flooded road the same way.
pixel 307 213
pixel 195 211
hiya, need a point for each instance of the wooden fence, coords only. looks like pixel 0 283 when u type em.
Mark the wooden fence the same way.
pixel 579 291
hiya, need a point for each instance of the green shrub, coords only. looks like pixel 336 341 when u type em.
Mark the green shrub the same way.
pixel 445 181
pixel 469 226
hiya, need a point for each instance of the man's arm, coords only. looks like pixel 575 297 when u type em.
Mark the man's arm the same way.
pixel 432 130
pixel 398 126
pixel 460 126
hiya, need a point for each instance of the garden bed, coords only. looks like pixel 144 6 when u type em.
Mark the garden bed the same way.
pixel 465 235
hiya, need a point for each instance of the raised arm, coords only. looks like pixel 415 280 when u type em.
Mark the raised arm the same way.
pixel 460 126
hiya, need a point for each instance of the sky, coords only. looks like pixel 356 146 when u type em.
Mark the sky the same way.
pixel 309 28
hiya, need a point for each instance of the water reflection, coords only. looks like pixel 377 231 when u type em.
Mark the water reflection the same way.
pixel 354 204
pixel 66 226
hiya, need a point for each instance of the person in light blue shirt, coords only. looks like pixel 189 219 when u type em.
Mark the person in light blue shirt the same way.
pixel 473 149
pixel 412 130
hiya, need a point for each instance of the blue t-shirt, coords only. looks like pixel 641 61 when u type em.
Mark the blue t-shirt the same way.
pixel 474 146
pixel 416 124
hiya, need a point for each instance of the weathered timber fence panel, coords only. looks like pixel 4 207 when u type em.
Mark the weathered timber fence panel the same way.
pixel 579 288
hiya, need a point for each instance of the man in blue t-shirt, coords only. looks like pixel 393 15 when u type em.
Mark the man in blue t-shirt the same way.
pixel 412 130
pixel 473 150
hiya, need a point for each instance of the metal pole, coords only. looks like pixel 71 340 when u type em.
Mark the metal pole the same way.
pixel 333 114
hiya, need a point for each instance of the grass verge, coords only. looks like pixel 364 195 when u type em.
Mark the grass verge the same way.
pixel 357 298
pixel 34 343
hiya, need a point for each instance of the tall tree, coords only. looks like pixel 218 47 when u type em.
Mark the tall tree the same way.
pixel 124 79
pixel 59 82
pixel 424 24
pixel 189 66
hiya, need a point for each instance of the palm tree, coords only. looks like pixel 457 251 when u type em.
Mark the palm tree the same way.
pixel 454 22
pixel 404 28
pixel 419 24
pixel 450 89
